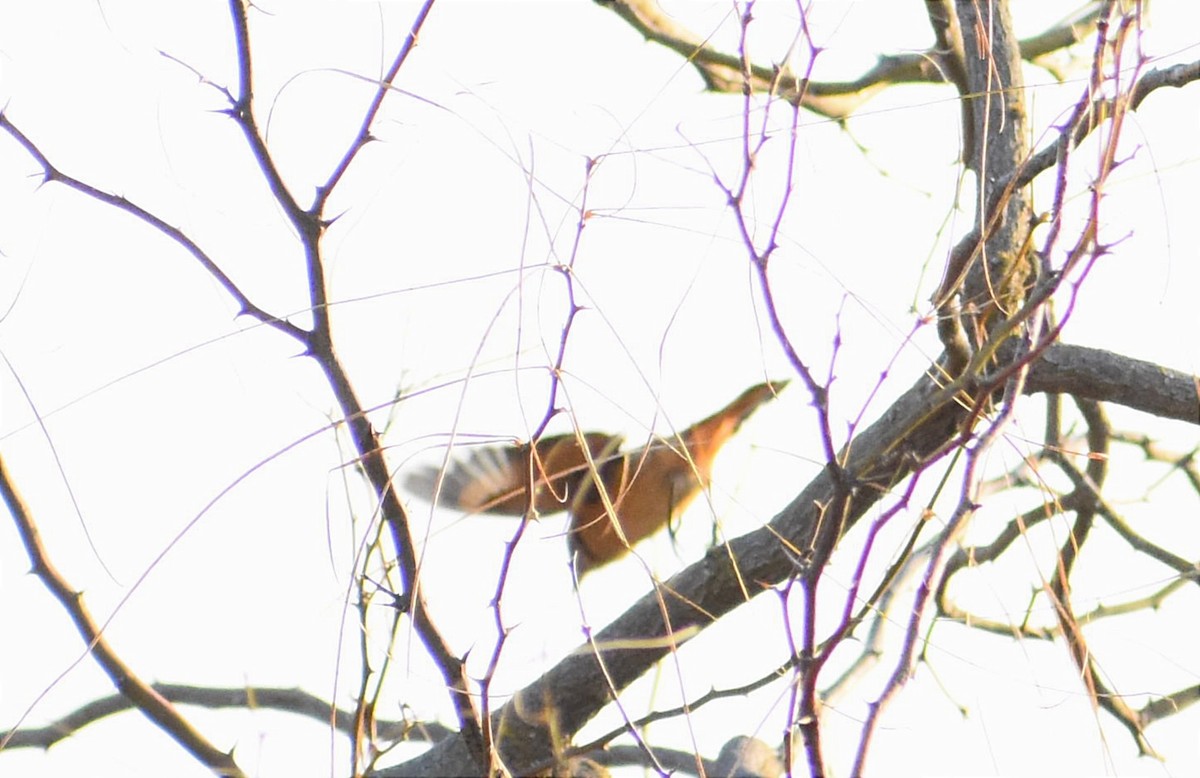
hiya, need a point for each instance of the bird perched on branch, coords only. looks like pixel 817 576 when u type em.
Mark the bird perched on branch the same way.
pixel 589 476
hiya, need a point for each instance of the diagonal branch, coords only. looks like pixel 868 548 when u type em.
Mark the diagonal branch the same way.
pixel 51 173
pixel 143 696
pixel 924 418
pixel 571 693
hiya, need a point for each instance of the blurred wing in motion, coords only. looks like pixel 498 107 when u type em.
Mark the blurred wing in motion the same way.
pixel 494 479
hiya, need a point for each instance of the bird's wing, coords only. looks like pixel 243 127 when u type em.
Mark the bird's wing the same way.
pixel 493 479
pixel 485 479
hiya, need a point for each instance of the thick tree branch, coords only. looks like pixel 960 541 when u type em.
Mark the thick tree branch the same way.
pixel 1101 375
pixel 924 418
pixel 571 693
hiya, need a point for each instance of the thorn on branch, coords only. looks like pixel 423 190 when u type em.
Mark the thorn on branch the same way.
pixel 401 601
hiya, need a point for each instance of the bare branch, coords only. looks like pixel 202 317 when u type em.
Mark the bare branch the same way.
pixel 722 72
pixel 1101 375
pixel 121 203
pixel 295 701
pixel 140 694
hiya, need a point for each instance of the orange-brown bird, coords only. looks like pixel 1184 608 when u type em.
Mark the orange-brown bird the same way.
pixel 644 488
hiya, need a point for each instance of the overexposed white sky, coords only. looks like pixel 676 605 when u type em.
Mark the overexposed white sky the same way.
pixel 154 398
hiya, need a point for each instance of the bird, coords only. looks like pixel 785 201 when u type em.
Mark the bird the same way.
pixel 615 498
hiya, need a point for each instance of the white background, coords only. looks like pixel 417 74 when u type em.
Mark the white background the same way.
pixel 155 399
